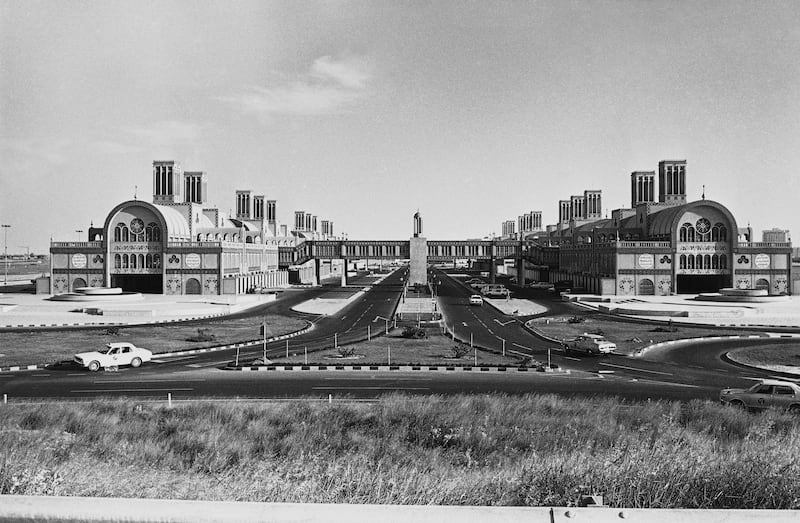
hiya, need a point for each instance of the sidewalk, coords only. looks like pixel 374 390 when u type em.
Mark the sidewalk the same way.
pixel 36 310
pixel 783 312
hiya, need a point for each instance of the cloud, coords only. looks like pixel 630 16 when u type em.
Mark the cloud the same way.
pixel 329 86
pixel 168 132
pixel 109 147
pixel 346 73
pixel 51 151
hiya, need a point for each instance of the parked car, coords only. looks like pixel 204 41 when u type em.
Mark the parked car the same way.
pixel 114 355
pixel 765 394
pixel 476 299
pixel 589 344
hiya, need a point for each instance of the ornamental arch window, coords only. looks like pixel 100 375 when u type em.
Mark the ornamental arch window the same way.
pixel 152 232
pixel 686 233
pixel 148 261
pixel 117 261
pixel 715 262
pixel 682 263
pixel 121 233
pixel 723 261
pixel 719 233
pixel 690 262
pixel 707 261
pixel 124 261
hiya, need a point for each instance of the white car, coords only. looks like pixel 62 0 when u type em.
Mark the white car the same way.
pixel 476 299
pixel 765 394
pixel 114 355
pixel 589 344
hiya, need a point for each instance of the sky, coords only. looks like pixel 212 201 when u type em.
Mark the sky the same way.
pixel 365 112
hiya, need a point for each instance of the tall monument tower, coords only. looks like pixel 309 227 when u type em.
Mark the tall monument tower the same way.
pixel 419 254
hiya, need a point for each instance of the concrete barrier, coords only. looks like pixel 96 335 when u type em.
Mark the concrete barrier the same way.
pixel 44 508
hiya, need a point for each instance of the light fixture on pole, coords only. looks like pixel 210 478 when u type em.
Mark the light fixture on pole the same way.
pixel 79 231
pixel 5 227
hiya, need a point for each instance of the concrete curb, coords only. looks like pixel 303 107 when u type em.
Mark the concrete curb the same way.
pixel 396 368
pixel 53 508
pixel 308 327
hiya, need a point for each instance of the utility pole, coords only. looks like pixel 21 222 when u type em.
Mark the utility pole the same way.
pixel 5 227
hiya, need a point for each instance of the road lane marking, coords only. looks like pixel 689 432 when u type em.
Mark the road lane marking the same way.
pixel 571 358
pixel 638 370
pixel 643 380
pixel 175 389
pixel 373 379
pixel 201 365
pixel 521 346
pixel 370 388
pixel 105 382
pixel 504 324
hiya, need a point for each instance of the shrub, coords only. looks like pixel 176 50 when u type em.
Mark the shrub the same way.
pixel 411 331
pixel 345 352
pixel 459 350
pixel 202 335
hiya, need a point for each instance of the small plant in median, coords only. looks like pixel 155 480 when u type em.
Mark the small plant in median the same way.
pixel 459 350
pixel 202 335
pixel 411 331
pixel 346 352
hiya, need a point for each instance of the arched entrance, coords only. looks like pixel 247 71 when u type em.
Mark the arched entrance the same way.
pixel 763 284
pixel 78 283
pixel 646 287
pixel 193 286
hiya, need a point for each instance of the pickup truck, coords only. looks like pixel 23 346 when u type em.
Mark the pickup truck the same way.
pixel 589 344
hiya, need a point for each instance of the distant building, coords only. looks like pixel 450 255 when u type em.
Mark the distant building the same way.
pixel 776 235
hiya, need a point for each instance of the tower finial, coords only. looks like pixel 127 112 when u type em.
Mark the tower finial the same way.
pixel 135 192
pixel 704 192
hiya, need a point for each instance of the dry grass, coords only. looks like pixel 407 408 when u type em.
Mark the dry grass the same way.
pixel 477 450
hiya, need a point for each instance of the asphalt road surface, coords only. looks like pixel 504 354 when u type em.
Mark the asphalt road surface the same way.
pixel 687 372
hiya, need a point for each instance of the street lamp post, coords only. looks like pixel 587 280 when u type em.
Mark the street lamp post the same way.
pixel 5 252
pixel 79 231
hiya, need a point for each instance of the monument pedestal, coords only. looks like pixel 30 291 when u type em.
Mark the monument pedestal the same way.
pixel 418 273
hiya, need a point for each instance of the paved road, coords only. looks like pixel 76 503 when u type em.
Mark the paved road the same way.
pixel 690 372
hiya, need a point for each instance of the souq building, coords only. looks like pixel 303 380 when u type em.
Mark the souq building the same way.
pixel 176 244
pixel 661 245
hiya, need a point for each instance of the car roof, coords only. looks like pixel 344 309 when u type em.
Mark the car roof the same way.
pixel 777 382
pixel 115 344
pixel 593 336
pixel 475 296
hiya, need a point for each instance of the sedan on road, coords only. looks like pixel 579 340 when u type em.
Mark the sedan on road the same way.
pixel 765 394
pixel 114 355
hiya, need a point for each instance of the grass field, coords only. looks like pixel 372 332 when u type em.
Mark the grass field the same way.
pixel 52 346
pixel 629 337
pixel 778 354
pixel 435 349
pixel 471 450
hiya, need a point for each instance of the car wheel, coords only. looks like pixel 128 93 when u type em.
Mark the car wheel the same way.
pixel 739 404
pixel 136 362
pixel 794 409
pixel 94 366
